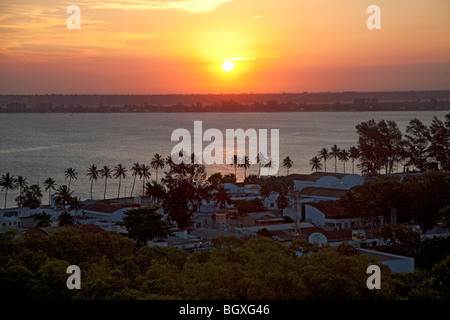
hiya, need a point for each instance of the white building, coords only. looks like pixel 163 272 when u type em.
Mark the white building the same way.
pixel 327 180
pixel 396 263
pixel 334 215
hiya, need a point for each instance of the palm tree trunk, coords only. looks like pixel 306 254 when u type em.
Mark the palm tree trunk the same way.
pixel 6 193
pixel 325 162
pixel 104 194
pixel 118 192
pixel 92 182
pixel 49 200
pixel 134 181
pixel 335 164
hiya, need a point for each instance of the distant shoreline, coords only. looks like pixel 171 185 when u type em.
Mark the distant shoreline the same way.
pixel 226 103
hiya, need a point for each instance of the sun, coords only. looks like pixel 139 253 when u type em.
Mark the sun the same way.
pixel 227 65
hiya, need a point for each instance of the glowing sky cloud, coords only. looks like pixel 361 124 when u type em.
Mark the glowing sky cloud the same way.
pixel 167 46
pixel 193 6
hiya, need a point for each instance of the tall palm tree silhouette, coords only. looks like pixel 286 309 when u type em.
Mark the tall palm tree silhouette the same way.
pixel 144 174
pixel 70 174
pixel 335 154
pixel 63 196
pixel 287 163
pixel 157 163
pixel 94 174
pixel 235 163
pixel 315 163
pixel 120 172
pixel 324 155
pixel 344 157
pixel 245 164
pixel 136 170
pixel 7 182
pixel 106 174
pixel 49 185
pixel 22 183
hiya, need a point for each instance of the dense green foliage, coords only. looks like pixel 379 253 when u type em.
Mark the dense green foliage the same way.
pixel 144 224
pixel 112 267
pixel 419 199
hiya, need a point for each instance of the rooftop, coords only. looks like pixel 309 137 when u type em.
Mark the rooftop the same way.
pixel 313 177
pixel 331 209
pixel 109 206
pixel 323 192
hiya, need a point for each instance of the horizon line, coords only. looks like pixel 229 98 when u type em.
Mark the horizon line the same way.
pixel 222 93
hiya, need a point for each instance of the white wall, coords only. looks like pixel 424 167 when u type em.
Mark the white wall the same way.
pixel 313 215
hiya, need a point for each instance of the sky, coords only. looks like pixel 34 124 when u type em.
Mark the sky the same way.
pixel 178 46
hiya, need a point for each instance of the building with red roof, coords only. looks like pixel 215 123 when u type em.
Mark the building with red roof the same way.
pixel 334 214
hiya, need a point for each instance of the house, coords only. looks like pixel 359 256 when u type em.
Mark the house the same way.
pixel 261 219
pixel 9 222
pixel 242 191
pixel 316 194
pixel 329 180
pixel 324 235
pixel 333 214
pixel 106 213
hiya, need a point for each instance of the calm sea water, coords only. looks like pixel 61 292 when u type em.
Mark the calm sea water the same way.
pixel 38 146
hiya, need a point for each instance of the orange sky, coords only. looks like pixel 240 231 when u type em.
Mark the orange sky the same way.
pixel 178 46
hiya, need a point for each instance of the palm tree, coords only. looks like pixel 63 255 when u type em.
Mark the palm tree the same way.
pixel 335 151
pixel 7 182
pixel 354 154
pixel 22 183
pixel 155 191
pixel 94 174
pixel 324 155
pixel 119 172
pixel 49 185
pixel 63 196
pixel 44 220
pixel 144 174
pixel 259 160
pixel 221 197
pixel 287 163
pixel 65 219
pixel 344 156
pixel 234 162
pixel 136 168
pixel 157 163
pixel 76 204
pixel 245 164
pixel 315 163
pixel 70 174
pixel 105 173
pixel 270 164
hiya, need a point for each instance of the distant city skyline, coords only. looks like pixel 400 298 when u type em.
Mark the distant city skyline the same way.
pixel 179 46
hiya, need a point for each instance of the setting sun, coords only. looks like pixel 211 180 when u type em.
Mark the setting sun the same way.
pixel 228 65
